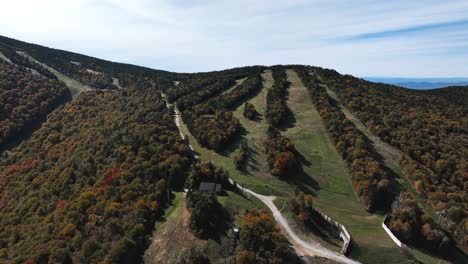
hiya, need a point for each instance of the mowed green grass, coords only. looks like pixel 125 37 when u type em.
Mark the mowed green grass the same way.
pixel 334 195
pixel 255 177
pixel 391 158
pixel 75 86
pixel 325 175
pixel 391 155
pixel 173 211
pixel 238 82
pixel 238 204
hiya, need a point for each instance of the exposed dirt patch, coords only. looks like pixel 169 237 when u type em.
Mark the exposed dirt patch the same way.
pixel 173 234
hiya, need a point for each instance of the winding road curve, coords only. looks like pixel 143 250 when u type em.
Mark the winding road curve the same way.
pixel 300 245
pixel 177 122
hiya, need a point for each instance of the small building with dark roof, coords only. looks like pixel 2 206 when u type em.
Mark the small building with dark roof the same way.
pixel 210 187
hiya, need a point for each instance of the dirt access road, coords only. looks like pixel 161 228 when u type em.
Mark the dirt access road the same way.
pixel 301 246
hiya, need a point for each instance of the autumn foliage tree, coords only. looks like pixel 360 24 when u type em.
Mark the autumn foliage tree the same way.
pixel 208 218
pixel 207 172
pixel 95 176
pixel 430 126
pixel 241 159
pixel 440 197
pixel 309 219
pixel 249 111
pixel 371 181
pixel 277 111
pixel 301 206
pixel 25 99
pixel 211 120
pixel 214 131
pixel 261 241
pixel 411 225
pixel 281 154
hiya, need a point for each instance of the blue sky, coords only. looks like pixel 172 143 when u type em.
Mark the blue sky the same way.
pixel 359 37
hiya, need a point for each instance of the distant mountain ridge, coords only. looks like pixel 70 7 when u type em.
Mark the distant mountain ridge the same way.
pixel 421 83
pixel 106 168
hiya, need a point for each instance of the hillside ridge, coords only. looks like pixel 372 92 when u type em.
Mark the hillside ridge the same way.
pixel 99 172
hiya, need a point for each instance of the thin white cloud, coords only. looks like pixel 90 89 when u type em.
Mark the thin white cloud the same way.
pixel 206 35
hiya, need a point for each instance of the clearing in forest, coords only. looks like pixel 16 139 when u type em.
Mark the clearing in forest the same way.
pixel 75 86
pixel 172 240
pixel 391 157
pixel 324 172
pixel 256 177
pixel 238 82
pixel 334 194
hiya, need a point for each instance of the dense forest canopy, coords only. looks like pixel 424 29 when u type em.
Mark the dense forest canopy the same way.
pixel 95 177
pixel 94 72
pixel 90 183
pixel 15 58
pixel 276 109
pixel 431 127
pixel 25 98
pixel 371 181
pixel 207 110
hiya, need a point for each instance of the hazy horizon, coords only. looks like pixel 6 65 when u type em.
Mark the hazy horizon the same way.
pixel 383 79
pixel 421 39
pixel 421 83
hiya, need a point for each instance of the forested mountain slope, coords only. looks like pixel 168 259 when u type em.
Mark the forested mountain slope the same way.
pixel 88 70
pixel 90 183
pixel 88 186
pixel 25 98
pixel 431 127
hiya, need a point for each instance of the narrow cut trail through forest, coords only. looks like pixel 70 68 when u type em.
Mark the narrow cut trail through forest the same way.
pixel 238 82
pixel 334 194
pixel 75 86
pixel 256 177
pixel 172 233
pixel 392 157
pixel 301 246
pixel 26 134
pixel 257 165
pixel 5 58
